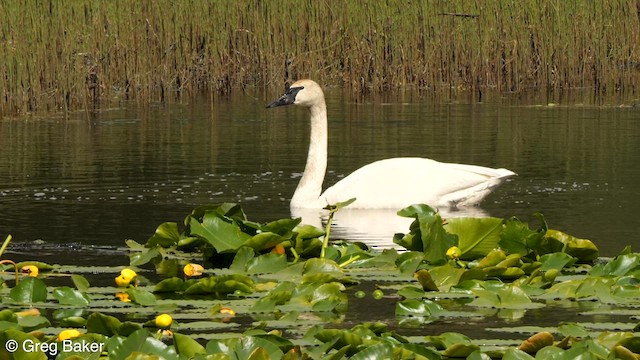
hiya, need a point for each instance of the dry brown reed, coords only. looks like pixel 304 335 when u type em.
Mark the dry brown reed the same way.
pixel 80 54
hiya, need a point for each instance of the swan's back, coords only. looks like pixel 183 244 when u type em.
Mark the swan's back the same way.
pixel 399 182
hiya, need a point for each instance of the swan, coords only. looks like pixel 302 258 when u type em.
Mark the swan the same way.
pixel 384 184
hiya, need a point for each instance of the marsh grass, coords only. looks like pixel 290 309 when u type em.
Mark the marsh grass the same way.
pixel 81 54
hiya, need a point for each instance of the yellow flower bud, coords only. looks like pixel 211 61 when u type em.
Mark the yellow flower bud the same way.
pixel 128 274
pixel 163 321
pixel 126 277
pixel 193 270
pixel 30 270
pixel 68 334
pixel 227 310
pixel 454 252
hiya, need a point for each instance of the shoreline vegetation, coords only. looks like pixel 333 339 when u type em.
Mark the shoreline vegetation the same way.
pixel 86 54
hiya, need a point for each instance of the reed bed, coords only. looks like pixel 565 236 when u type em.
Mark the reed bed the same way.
pixel 81 54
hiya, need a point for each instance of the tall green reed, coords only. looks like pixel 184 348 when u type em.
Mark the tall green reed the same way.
pixel 81 54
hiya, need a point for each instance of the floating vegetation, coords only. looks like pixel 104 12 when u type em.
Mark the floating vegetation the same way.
pixel 83 54
pixel 220 286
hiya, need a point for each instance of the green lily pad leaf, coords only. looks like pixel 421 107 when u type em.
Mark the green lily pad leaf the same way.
pixel 42 266
pixel 222 235
pixel 186 346
pixel 587 346
pixel 30 323
pixel 284 344
pixel 416 210
pixel 230 211
pixel 73 321
pixel 434 240
pixel 478 355
pixel 142 297
pixel 68 296
pixel 141 258
pixel 377 351
pixel 80 282
pixel 243 348
pixel 426 281
pixel 222 285
pixel 502 296
pixel 328 297
pixel 266 264
pixel 610 339
pixel 619 266
pixel 339 339
pixel 423 351
pixel 409 261
pixel 476 236
pixel 517 238
pixel 556 261
pixel 8 315
pixel 169 285
pixel 411 292
pixel 515 354
pixel 29 290
pixel 446 276
pixel 166 235
pixel 20 338
pixel 141 342
pixel 265 240
pixel 584 250
pixel 421 308
pixel 571 329
pixel 277 296
pixel 281 227
pixel 241 259
pixel 460 350
pixel 103 324
pixel 319 265
pixel 551 352
pixel 632 343
pixel 308 232
pixel 448 339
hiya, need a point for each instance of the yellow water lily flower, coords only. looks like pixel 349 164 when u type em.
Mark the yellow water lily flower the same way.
pixel 68 334
pixel 126 277
pixel 192 270
pixel 30 270
pixel 454 252
pixel 163 321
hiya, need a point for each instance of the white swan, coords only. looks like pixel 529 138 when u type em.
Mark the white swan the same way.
pixel 390 183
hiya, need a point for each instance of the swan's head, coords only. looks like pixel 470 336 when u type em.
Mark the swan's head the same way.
pixel 305 93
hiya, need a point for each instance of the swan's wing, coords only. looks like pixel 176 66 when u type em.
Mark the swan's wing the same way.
pixel 400 182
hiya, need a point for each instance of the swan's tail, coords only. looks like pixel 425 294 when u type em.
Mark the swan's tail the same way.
pixel 474 195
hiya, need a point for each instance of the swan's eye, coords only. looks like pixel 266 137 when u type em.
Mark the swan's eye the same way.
pixel 294 90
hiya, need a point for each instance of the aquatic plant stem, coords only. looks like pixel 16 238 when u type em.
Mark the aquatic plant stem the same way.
pixel 327 232
pixel 15 267
pixel 5 244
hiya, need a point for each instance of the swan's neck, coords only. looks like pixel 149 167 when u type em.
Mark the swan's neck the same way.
pixel 310 185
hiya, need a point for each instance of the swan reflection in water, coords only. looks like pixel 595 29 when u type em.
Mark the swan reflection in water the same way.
pixel 374 227
pixel 382 187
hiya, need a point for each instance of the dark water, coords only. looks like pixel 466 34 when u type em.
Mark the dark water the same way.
pixel 96 181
